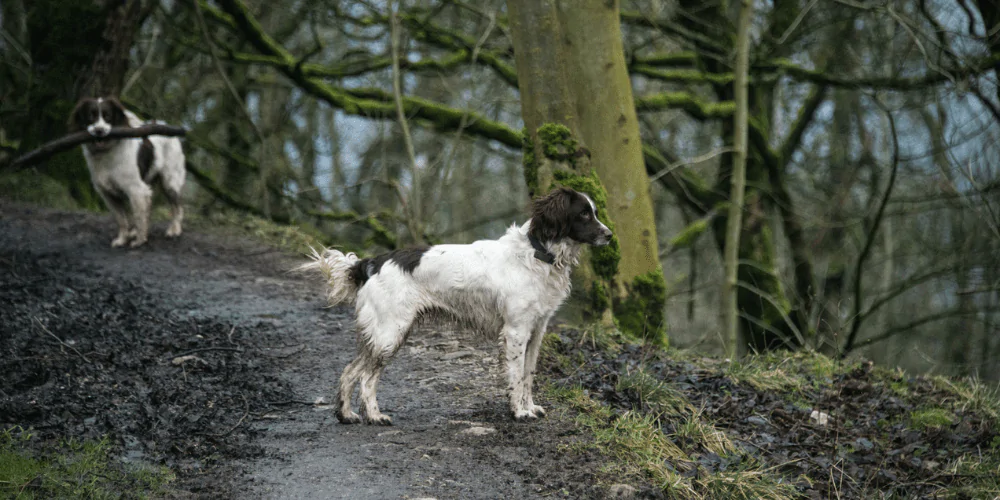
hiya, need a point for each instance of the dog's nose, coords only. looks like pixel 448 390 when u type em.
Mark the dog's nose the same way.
pixel 606 232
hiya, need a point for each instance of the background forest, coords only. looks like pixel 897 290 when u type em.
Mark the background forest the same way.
pixel 871 222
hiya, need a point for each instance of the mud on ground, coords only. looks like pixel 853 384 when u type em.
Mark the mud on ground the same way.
pixel 204 355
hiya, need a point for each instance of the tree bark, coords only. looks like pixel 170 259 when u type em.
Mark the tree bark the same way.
pixel 608 124
pixel 581 131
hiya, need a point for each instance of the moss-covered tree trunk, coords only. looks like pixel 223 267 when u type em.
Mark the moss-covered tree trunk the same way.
pixel 581 131
pixel 763 304
pixel 731 330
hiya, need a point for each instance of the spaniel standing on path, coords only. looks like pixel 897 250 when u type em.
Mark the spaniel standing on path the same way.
pixel 123 170
pixel 508 287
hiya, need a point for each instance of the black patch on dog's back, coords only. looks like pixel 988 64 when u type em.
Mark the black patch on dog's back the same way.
pixel 407 258
pixel 145 159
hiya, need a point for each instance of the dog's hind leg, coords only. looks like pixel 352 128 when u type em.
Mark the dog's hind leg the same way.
pixel 176 212
pixel 369 402
pixel 351 374
pixel 173 184
pixel 140 199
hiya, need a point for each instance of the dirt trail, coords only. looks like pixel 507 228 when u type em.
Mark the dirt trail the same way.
pixel 451 439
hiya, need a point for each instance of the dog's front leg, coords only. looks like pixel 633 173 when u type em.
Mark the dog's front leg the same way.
pixel 530 360
pixel 120 213
pixel 516 343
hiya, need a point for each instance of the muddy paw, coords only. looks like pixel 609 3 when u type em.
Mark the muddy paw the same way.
pixel 537 411
pixel 119 242
pixel 348 418
pixel 524 416
pixel 379 420
pixel 173 231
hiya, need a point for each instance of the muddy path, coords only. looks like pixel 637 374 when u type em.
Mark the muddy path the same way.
pixel 205 355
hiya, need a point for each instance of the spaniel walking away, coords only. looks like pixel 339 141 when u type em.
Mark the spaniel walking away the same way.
pixel 508 287
pixel 123 170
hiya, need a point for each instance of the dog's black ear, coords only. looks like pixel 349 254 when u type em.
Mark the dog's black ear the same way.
pixel 550 217
pixel 118 118
pixel 78 119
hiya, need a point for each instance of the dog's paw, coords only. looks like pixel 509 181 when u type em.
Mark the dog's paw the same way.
pixel 536 410
pixel 378 420
pixel 120 241
pixel 137 242
pixel 348 418
pixel 523 416
pixel 174 231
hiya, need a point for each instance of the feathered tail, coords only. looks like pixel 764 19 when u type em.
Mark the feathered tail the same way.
pixel 336 268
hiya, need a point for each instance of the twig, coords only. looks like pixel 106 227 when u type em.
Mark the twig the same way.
pixel 70 141
pixel 302 347
pixel 290 402
pixel 64 344
pixel 206 349
pixel 246 412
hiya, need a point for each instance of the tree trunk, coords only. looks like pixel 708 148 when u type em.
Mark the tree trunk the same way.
pixel 107 74
pixel 581 131
pixel 735 344
pixel 76 49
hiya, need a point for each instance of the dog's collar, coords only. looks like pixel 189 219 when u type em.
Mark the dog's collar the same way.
pixel 541 253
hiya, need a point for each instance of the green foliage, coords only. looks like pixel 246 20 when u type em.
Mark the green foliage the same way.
pixel 640 312
pixel 71 469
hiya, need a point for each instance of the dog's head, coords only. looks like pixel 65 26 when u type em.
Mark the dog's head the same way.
pixel 565 213
pixel 97 116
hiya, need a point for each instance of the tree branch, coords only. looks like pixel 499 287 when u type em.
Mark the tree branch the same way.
pixel 870 239
pixel 443 117
pixel 70 141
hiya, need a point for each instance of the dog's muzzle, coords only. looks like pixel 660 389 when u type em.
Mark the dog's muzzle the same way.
pixel 604 238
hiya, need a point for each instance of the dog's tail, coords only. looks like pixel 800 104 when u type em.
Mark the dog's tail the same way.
pixel 336 267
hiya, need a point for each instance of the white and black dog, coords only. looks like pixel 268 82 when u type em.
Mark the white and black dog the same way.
pixel 122 170
pixel 508 287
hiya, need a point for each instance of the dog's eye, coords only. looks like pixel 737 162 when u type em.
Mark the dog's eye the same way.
pixel 585 215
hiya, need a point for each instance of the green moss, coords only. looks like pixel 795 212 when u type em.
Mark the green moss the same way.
pixel 640 313
pixel 931 418
pixel 599 298
pixel 558 142
pixel 690 234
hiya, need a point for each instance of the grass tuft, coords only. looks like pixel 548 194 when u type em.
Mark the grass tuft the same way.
pixel 931 418
pixel 71 469
pixel 295 239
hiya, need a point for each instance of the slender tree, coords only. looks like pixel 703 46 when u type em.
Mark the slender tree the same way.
pixel 734 341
